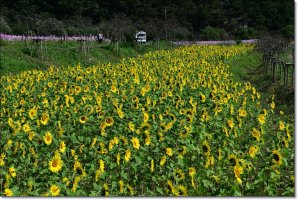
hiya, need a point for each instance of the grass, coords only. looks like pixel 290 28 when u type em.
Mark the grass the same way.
pixel 16 56
pixel 286 56
pixel 249 68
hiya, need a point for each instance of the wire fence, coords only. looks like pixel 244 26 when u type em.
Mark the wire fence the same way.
pixel 277 68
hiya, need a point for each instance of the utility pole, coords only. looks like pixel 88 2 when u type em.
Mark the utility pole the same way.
pixel 166 24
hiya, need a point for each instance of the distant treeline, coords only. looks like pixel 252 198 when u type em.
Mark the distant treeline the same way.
pixel 164 19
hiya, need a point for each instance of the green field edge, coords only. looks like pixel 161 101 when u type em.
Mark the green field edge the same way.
pixel 248 67
pixel 17 56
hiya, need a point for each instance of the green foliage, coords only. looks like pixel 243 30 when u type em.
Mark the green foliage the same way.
pixel 288 31
pixel 4 27
pixel 244 33
pixel 183 17
pixel 210 33
pixel 65 54
pixel 248 68
pixel 2 43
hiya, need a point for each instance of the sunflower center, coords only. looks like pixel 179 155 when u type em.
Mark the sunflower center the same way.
pixel 276 157
pixel 232 161
pixel 205 149
pixel 55 163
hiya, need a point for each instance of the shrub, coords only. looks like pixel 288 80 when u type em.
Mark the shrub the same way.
pixel 288 31
pixel 210 33
pixel 243 33
pixel 4 27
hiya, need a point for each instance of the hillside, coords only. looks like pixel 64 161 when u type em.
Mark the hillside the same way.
pixel 16 56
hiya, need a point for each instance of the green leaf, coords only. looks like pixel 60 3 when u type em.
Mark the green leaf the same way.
pixel 248 185
pixel 81 138
pixel 124 175
pixel 237 193
pixel 114 184
pixel 159 190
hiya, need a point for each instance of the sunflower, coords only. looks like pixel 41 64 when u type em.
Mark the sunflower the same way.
pixel 118 159
pixel 22 102
pixel 101 165
pixel 182 151
pixel 171 188
pixel 216 178
pixel 231 123
pixel 135 143
pixel 233 160
pixel 206 148
pixel 182 190
pixel 219 155
pixel 277 157
pixel 191 171
pixel 202 97
pixel 31 135
pixel 66 180
pixel 239 181
pixel 26 127
pixel 75 183
pixel 8 192
pixel 146 117
pixel 78 89
pixel 147 139
pixel 56 163
pixel 182 111
pixel 44 118
pixel 48 138
pixel 12 171
pixel 242 112
pixel 111 145
pixel 11 123
pixel 179 174
pixel 262 119
pixel 272 105
pixel 130 189
pixel 169 151
pixel 210 161
pixel 32 113
pixel 256 134
pixel 163 160
pixel 285 142
pixel 113 88
pixel 253 151
pixel 281 125
pixel 2 157
pixel 55 191
pixel 238 170
pixel 127 155
pixel 131 126
pixel 152 166
pixel 169 185
pixel 121 186
pixel 83 119
pixel 62 147
pixel 109 121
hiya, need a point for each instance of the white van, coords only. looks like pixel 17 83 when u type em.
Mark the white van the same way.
pixel 140 37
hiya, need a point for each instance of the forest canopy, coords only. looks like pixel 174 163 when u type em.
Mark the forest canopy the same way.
pixel 167 19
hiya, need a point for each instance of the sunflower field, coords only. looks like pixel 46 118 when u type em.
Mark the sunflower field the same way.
pixel 168 123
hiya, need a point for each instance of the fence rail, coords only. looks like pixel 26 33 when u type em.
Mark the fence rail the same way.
pixel 280 70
